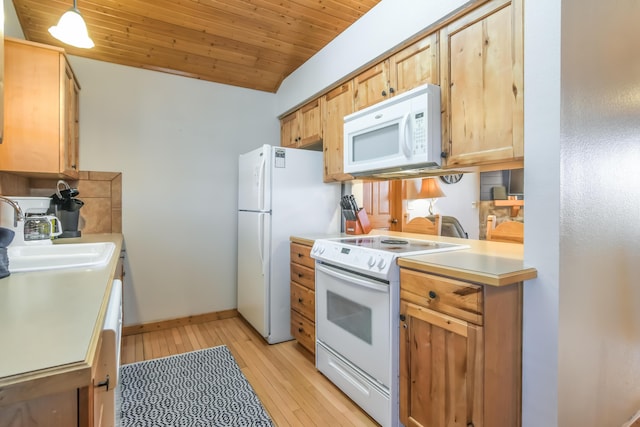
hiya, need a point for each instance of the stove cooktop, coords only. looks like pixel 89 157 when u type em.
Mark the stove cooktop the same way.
pixel 397 245
pixel 375 255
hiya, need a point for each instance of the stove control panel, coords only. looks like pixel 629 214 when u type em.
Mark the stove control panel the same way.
pixel 376 263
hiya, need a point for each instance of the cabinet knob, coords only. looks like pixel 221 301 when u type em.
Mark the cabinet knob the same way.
pixel 299 299
pixel 403 317
pixel 384 93
pixel 300 329
pixel 392 90
pixel 444 155
pixel 432 295
pixel 394 221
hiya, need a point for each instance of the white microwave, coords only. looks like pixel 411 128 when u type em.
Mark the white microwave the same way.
pixel 398 134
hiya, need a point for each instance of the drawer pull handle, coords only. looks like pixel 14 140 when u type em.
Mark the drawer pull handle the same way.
pixel 300 255
pixel 300 329
pixel 300 275
pixel 300 300
pixel 432 295
pixel 104 383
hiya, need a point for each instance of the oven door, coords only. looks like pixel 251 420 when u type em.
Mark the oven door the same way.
pixel 352 318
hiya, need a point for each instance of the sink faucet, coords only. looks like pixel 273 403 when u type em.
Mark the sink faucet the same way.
pixel 18 215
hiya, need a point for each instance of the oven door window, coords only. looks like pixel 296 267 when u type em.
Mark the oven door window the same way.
pixel 349 315
pixel 352 318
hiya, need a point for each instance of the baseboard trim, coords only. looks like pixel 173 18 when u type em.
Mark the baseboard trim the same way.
pixel 181 321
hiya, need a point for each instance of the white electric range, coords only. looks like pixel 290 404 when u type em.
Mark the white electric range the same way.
pixel 357 316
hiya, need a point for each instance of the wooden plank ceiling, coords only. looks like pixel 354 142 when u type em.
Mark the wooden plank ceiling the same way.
pixel 247 43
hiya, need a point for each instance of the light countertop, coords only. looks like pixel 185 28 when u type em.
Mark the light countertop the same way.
pixel 51 320
pixel 485 262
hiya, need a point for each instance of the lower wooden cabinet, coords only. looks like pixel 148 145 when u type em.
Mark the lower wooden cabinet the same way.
pixel 303 296
pixel 59 409
pixel 460 352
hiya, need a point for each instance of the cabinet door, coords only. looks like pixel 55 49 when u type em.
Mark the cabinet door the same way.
pixel 338 103
pixel 32 116
pixel 289 130
pixel 415 65
pixel 441 361
pixel 372 86
pixel 482 85
pixel 69 149
pixel 60 409
pixel 41 128
pixel 311 123
pixel 383 203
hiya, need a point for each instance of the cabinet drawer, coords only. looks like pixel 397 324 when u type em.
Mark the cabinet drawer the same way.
pixel 459 299
pixel 301 254
pixel 304 276
pixel 304 331
pixel 303 300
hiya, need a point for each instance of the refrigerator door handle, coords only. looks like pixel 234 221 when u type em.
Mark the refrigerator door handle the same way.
pixel 261 239
pixel 261 173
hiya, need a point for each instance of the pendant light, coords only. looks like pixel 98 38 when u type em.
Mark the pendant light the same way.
pixel 72 30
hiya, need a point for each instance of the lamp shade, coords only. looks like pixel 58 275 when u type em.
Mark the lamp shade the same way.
pixel 72 30
pixel 430 189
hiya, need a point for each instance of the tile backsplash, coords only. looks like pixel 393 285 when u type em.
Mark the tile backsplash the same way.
pixel 101 193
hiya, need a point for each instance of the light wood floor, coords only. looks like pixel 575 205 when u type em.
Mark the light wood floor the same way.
pixel 283 375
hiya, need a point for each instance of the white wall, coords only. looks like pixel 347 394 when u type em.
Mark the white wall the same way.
pixel 176 142
pixel 542 226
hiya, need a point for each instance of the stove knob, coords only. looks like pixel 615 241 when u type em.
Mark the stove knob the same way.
pixel 321 249
pixel 314 249
pixel 381 263
pixel 371 262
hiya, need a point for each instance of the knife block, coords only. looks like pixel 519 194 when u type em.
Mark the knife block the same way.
pixel 360 226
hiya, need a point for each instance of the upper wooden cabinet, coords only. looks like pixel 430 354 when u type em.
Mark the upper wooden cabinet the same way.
pixel 303 127
pixel 41 111
pixel 482 85
pixel 338 103
pixel 372 86
pixel 413 66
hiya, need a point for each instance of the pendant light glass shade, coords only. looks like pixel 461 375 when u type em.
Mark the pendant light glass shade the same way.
pixel 72 30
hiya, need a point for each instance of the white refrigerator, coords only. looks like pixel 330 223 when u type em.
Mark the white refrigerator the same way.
pixel 281 193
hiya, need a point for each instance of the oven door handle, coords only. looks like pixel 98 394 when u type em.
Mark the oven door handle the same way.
pixel 353 279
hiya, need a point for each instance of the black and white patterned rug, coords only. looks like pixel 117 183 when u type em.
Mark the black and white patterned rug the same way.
pixel 200 388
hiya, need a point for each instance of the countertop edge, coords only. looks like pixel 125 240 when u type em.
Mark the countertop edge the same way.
pixel 470 276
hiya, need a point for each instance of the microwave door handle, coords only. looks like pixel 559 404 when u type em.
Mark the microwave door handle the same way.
pixel 405 135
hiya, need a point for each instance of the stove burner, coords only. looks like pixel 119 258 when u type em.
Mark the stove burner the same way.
pixel 394 242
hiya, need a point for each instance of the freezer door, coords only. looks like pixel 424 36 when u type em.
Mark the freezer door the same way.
pixel 253 269
pixel 254 180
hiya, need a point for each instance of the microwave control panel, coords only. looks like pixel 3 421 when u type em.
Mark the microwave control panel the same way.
pixel 419 133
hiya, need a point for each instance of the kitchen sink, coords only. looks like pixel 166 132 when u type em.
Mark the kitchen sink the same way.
pixel 52 257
